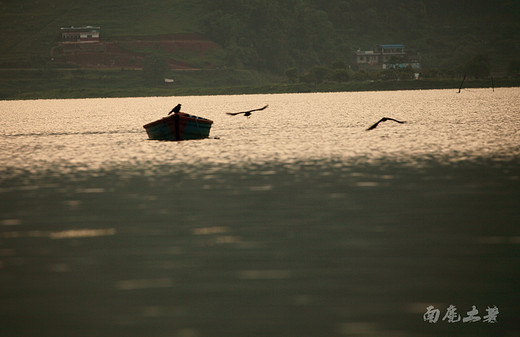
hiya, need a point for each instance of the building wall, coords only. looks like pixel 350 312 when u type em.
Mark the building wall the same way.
pixel 382 54
pixel 88 34
pixel 367 58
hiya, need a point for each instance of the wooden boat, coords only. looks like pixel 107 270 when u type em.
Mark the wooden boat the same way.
pixel 179 126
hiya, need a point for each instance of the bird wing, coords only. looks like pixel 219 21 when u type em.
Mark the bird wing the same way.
pixel 376 124
pixel 395 120
pixel 384 119
pixel 262 108
pixel 244 112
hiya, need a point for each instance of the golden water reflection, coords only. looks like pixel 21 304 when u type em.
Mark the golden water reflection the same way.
pixel 71 135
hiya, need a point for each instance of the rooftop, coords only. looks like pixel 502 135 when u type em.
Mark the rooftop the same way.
pixel 391 45
pixel 72 28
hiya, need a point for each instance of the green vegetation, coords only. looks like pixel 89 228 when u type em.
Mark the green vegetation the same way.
pixel 276 35
pixel 69 83
pixel 478 67
pixel 296 43
pixel 28 28
pixel 154 69
pixel 77 83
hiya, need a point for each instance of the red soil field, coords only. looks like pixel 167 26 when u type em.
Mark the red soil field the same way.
pixel 129 52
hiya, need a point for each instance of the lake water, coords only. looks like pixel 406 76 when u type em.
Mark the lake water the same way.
pixel 293 222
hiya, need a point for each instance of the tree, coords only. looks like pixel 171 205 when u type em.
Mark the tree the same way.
pixel 431 73
pixel 478 67
pixel 318 74
pixel 340 75
pixel 514 68
pixel 338 64
pixel 360 75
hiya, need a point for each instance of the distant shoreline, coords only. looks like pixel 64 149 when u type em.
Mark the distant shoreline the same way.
pixel 73 91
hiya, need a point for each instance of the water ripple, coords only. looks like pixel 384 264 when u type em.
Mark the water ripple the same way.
pixel 67 136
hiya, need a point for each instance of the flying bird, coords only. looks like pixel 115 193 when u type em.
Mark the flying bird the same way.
pixel 384 119
pixel 246 113
pixel 176 109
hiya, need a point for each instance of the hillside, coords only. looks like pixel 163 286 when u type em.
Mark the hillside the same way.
pixel 302 34
pixel 182 51
pixel 29 30
pixel 252 42
pixel 277 34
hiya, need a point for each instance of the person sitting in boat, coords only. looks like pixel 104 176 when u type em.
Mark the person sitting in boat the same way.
pixel 176 109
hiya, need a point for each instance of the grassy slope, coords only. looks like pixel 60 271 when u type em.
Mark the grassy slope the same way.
pixel 29 28
pixel 68 83
pixel 37 84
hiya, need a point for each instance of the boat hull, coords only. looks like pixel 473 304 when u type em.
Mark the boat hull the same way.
pixel 179 126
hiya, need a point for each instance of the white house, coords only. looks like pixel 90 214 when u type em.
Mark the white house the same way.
pixel 387 56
